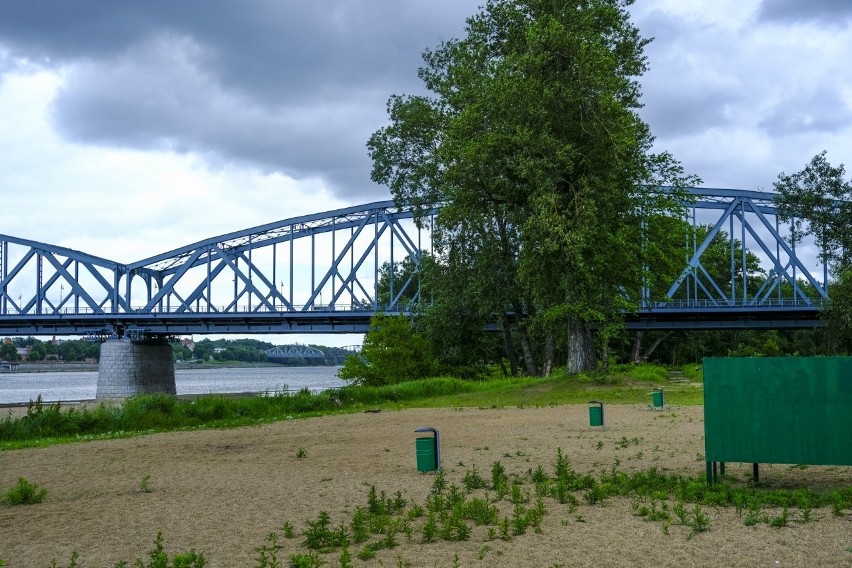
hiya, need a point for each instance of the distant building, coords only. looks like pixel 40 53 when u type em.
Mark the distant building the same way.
pixel 23 353
pixel 188 343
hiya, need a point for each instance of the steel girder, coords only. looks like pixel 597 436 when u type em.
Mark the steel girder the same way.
pixel 320 272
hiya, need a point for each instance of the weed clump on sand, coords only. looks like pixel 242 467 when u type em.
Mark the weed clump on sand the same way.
pixel 157 558
pixel 24 493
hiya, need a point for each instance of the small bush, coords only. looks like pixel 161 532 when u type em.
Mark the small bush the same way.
pixel 24 493
pixel 158 558
pixel 700 522
pixel 267 553
pixel 693 372
pixel 472 480
pixel 646 372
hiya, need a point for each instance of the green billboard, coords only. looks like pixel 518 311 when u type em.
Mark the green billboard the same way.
pixel 790 410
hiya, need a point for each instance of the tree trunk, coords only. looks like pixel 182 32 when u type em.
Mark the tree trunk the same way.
pixel 529 357
pixel 581 349
pixel 509 347
pixel 549 353
pixel 655 345
pixel 636 354
pixel 637 347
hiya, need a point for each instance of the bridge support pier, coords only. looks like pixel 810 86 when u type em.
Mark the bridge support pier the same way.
pixel 128 368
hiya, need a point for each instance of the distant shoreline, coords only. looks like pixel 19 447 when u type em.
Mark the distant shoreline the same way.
pixel 82 367
pixel 51 367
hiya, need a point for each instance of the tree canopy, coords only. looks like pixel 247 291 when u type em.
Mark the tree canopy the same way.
pixel 818 202
pixel 391 353
pixel 531 142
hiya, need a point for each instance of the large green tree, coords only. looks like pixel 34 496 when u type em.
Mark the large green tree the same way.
pixel 531 142
pixel 818 202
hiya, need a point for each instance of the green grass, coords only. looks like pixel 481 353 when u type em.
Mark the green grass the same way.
pixel 47 424
pixel 644 372
pixel 616 389
pixel 693 372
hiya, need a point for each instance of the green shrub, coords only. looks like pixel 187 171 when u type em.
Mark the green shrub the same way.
pixel 693 372
pixel 267 554
pixel 392 353
pixel 24 493
pixel 643 372
pixel 158 558
pixel 209 408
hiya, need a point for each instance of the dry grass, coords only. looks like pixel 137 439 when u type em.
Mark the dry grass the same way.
pixel 222 492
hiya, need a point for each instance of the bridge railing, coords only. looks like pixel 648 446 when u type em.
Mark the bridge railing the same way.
pixel 750 304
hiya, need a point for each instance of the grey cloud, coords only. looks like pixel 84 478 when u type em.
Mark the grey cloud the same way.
pixel 292 86
pixel 259 41
pixel 159 99
pixel 684 94
pixel 826 11
pixel 680 107
pixel 662 28
pixel 823 111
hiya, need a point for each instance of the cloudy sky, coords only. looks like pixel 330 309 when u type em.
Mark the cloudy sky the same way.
pixel 129 128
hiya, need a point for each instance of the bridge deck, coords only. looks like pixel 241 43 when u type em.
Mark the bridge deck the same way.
pixel 349 321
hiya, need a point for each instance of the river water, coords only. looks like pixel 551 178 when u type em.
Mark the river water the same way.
pixel 81 385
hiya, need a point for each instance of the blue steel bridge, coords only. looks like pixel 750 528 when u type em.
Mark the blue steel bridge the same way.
pixel 319 274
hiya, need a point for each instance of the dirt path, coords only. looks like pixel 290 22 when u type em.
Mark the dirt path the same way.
pixel 222 492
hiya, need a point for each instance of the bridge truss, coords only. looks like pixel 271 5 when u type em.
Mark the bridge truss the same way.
pixel 314 273
pixel 790 295
pixel 286 352
pixel 320 273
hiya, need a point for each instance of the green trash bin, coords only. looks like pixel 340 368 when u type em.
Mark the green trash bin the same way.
pixel 428 451
pixel 657 398
pixel 596 414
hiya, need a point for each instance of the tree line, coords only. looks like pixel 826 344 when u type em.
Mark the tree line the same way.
pixel 219 350
pixel 250 351
pixel 63 350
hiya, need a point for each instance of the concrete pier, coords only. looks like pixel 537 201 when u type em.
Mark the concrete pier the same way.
pixel 128 368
